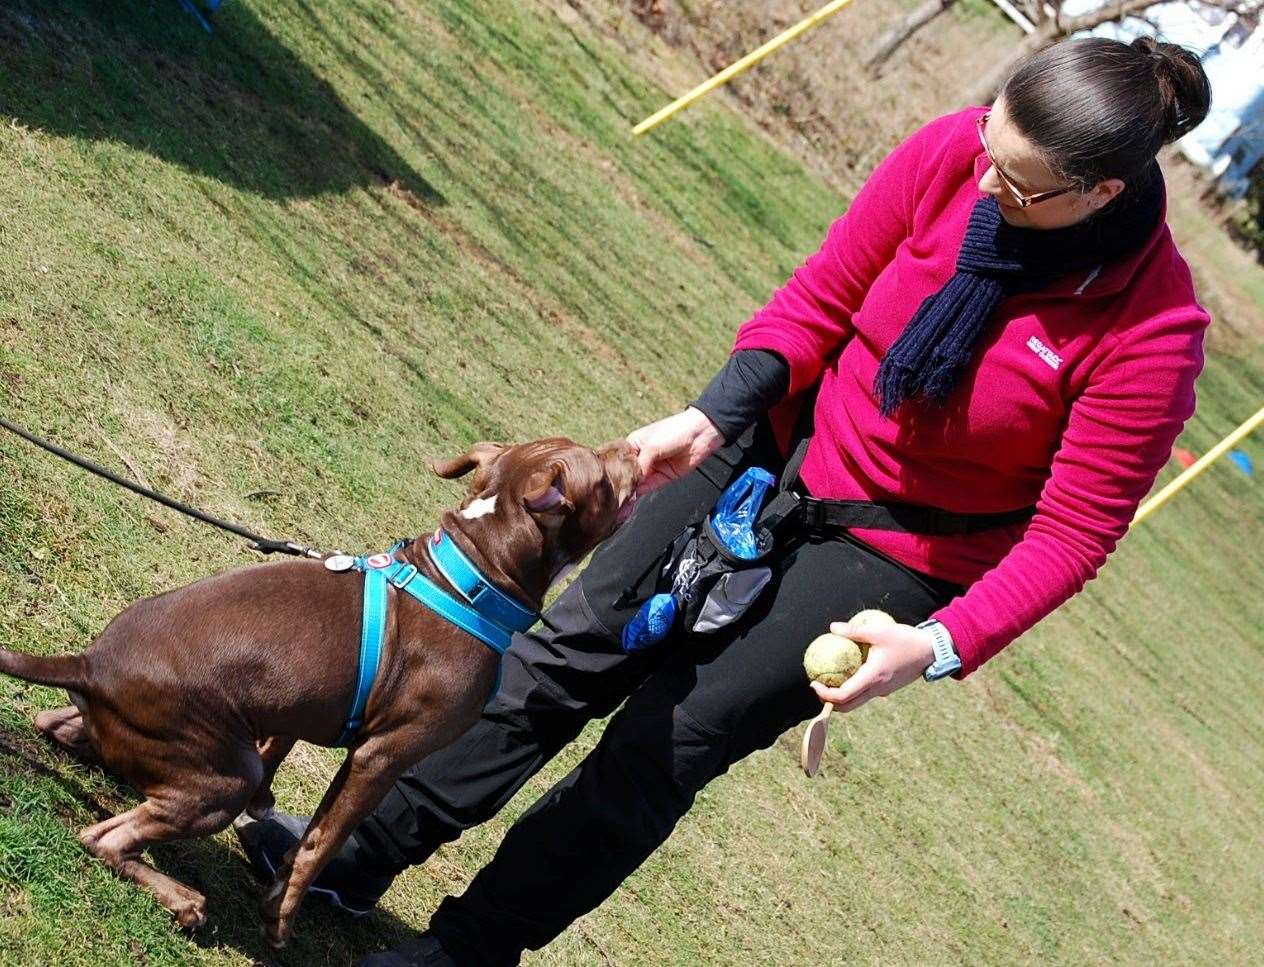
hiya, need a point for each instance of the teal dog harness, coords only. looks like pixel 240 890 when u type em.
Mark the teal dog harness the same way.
pixel 487 613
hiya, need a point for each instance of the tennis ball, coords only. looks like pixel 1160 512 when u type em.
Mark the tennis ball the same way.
pixel 870 619
pixel 832 659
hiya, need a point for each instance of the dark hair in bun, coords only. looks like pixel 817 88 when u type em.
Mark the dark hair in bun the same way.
pixel 1100 108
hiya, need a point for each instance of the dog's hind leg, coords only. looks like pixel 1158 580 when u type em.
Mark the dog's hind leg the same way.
pixel 365 777
pixel 273 752
pixel 68 728
pixel 167 814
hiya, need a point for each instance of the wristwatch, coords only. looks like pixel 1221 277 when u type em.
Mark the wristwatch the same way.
pixel 946 660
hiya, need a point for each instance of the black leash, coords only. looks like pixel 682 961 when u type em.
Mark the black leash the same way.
pixel 262 544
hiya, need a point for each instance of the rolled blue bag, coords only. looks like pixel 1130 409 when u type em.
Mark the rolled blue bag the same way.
pixel 651 624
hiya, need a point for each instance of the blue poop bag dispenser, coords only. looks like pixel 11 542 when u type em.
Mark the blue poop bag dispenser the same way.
pixel 733 523
pixel 733 519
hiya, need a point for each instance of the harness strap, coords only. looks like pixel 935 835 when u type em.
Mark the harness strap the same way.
pixel 381 571
pixel 372 631
pixel 407 578
pixel 461 573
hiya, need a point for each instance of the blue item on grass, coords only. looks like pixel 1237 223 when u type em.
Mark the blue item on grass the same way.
pixel 1243 462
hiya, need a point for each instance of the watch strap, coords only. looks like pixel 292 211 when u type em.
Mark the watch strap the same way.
pixel 946 660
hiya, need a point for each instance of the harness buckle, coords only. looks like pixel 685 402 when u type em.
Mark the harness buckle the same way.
pixel 401 577
pixel 814 514
pixel 785 506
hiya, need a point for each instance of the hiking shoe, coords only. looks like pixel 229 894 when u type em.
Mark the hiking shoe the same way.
pixel 424 951
pixel 344 883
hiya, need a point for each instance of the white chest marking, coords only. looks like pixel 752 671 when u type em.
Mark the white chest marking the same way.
pixel 1052 359
pixel 479 506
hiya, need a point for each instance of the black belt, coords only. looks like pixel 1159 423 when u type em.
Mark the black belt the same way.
pixel 825 515
pixel 820 516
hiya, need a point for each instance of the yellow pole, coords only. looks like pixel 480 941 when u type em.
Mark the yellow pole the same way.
pixel 735 68
pixel 1195 468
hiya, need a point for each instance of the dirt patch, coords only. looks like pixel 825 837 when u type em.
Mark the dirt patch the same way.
pixel 154 449
pixel 10 380
pixel 399 190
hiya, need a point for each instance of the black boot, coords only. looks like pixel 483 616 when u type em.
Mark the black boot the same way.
pixel 347 882
pixel 425 951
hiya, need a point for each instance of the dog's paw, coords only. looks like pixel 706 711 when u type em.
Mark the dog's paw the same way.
pixel 272 936
pixel 192 914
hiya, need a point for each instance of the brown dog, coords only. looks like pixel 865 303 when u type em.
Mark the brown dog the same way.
pixel 195 696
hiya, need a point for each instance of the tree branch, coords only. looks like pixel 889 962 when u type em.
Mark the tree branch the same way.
pixel 889 42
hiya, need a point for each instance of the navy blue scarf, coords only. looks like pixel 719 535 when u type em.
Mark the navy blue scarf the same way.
pixel 998 260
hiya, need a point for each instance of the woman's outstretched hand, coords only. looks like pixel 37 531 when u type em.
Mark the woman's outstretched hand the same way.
pixel 898 654
pixel 668 449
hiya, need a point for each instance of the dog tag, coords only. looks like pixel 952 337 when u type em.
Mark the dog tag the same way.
pixel 340 562
pixel 379 561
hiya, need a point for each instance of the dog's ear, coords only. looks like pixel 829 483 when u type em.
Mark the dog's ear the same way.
pixel 546 491
pixel 477 456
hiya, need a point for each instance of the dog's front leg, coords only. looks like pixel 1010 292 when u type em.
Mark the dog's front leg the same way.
pixel 364 779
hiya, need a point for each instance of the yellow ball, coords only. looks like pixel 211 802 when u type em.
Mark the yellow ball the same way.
pixel 871 618
pixel 832 659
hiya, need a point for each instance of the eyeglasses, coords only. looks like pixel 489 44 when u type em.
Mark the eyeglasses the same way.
pixel 1023 200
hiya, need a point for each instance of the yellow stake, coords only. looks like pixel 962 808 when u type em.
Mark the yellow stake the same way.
pixel 1195 468
pixel 735 68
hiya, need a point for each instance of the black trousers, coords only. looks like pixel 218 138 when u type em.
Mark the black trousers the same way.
pixel 692 707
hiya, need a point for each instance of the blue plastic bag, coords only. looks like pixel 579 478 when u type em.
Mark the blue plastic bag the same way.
pixel 733 519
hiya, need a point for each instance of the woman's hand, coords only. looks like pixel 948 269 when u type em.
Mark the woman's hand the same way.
pixel 669 448
pixel 898 654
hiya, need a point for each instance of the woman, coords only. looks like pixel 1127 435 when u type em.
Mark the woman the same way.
pixel 999 320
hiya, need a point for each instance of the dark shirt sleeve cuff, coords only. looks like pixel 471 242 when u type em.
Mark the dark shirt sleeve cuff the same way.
pixel 749 384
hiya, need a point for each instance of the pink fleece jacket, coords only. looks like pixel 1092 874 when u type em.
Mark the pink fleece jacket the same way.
pixel 1072 403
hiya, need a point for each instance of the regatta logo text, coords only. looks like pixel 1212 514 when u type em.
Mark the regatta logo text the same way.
pixel 1044 352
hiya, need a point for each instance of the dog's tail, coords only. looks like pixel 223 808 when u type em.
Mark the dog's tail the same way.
pixel 62 671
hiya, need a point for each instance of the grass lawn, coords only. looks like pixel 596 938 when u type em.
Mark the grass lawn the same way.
pixel 276 270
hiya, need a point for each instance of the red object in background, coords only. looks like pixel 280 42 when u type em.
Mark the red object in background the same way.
pixel 1184 457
